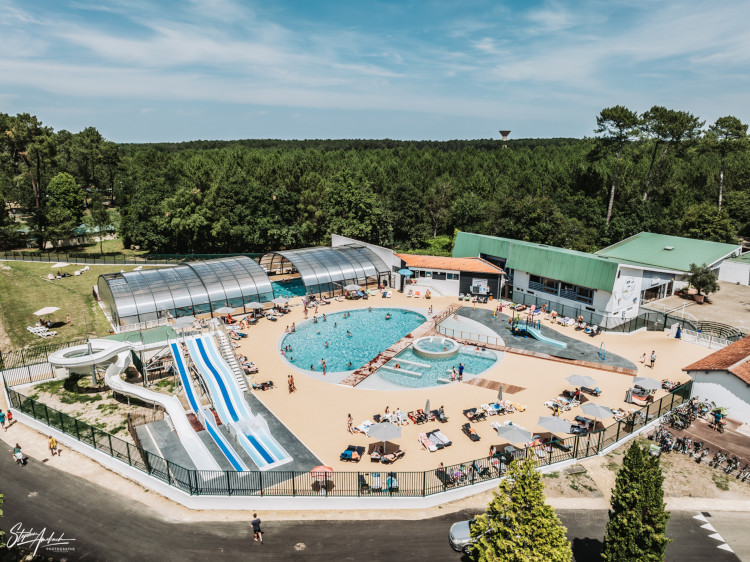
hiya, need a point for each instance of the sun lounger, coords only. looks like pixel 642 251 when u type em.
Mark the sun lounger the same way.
pixel 392 457
pixel 421 416
pixel 413 417
pixel 352 453
pixel 435 440
pixel 364 427
pixel 518 407
pixel 470 432
pixel 490 410
pixel 436 415
pixel 427 443
pixel 410 293
pixel 441 437
pixel 475 415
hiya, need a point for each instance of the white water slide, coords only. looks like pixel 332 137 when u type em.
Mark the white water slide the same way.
pixel 250 430
pixel 102 351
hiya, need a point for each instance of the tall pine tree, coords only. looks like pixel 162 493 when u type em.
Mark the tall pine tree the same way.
pixel 518 526
pixel 637 521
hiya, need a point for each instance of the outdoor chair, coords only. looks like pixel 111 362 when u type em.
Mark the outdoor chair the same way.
pixel 470 432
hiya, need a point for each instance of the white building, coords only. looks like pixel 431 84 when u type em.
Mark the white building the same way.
pixel 724 377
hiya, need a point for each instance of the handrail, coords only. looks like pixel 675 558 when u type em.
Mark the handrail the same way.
pixel 343 484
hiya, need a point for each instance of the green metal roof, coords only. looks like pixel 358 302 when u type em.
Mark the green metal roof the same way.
pixel 744 258
pixel 650 249
pixel 570 266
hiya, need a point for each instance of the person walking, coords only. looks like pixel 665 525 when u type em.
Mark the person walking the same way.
pixel 18 455
pixel 52 445
pixel 257 533
pixel 653 358
pixel 643 358
pixel 2 419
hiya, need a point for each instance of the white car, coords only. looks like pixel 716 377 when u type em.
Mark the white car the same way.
pixel 460 536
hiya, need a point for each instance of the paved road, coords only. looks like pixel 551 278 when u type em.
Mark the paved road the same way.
pixel 106 528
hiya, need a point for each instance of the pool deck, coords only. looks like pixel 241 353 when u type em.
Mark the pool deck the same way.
pixel 316 414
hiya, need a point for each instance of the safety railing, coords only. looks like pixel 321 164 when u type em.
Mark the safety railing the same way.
pixel 472 337
pixel 379 482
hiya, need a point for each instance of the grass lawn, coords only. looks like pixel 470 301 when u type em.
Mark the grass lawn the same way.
pixel 110 247
pixel 24 289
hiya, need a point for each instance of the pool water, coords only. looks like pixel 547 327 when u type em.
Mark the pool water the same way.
pixel 288 289
pixel 436 344
pixel 370 332
pixel 429 370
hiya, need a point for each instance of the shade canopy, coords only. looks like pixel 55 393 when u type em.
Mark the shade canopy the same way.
pixel 352 287
pixel 254 305
pixel 46 310
pixel 647 383
pixel 596 410
pixel 554 424
pixel 280 300
pixel 581 380
pixel 321 472
pixel 405 272
pixel 184 321
pixel 384 431
pixel 514 433
pixel 224 310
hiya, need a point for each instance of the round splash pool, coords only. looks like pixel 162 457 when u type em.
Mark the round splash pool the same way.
pixel 436 347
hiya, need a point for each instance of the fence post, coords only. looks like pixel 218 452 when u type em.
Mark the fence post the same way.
pixel 618 431
pixel 46 414
pixel 601 438
pixel 78 433
pixel 93 436
pixel 130 463
pixel 647 408
pixel 672 404
pixel 575 447
pixel 111 450
pixel 294 486
pixel 33 410
pixel 424 483
pixel 260 481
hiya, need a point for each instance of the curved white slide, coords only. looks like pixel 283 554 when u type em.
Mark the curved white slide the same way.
pixel 102 350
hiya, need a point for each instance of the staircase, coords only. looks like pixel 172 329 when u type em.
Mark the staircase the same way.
pixel 227 351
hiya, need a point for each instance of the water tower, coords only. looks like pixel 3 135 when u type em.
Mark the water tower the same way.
pixel 505 134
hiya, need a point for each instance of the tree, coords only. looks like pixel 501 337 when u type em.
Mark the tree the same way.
pixel 637 519
pixel 704 279
pixel 669 128
pixel 518 525
pixel 99 218
pixel 616 126
pixel 708 222
pixel 64 192
pixel 726 136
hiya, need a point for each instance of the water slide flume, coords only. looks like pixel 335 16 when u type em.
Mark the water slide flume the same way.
pixel 104 350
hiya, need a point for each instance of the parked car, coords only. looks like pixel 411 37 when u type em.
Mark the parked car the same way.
pixel 460 536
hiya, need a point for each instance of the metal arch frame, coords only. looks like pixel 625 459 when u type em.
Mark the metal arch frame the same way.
pixel 141 304
pixel 324 268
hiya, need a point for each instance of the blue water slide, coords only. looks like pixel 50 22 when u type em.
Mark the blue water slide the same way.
pixel 221 441
pixel 213 387
pixel 187 383
pixel 259 443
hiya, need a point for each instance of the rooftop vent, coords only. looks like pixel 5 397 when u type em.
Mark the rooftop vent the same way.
pixel 669 248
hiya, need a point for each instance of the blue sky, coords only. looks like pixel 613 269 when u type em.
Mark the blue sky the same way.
pixel 142 70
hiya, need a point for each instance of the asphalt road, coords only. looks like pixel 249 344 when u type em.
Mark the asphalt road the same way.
pixel 106 528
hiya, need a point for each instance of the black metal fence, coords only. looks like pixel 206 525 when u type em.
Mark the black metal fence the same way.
pixel 376 480
pixel 98 259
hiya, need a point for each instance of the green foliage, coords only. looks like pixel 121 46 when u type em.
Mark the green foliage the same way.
pixel 704 279
pixel 706 221
pixel 637 519
pixel 518 525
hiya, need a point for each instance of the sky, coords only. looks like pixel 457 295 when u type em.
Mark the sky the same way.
pixel 149 71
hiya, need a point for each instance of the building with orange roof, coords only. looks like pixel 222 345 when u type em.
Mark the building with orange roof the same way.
pixel 453 276
pixel 724 377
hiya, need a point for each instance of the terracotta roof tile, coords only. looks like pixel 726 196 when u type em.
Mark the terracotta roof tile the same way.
pixel 476 265
pixel 734 358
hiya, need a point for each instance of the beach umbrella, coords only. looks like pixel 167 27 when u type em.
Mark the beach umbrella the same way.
pixel 405 272
pixel 597 411
pixel 46 310
pixel 514 434
pixel 384 431
pixel 554 424
pixel 184 321
pixel 647 383
pixel 427 407
pixel 255 305
pixel 321 472
pixel 280 300
pixel 352 287
pixel 224 310
pixel 581 380
pixel 500 394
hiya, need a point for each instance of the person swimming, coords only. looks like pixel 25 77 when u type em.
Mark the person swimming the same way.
pixel 348 334
pixel 388 316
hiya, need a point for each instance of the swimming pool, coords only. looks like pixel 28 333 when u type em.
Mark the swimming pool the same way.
pixel 288 289
pixel 416 371
pixel 356 339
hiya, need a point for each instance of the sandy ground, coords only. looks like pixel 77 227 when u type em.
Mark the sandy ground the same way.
pixel 317 412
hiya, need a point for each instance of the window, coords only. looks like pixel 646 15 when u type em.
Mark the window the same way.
pixel 451 276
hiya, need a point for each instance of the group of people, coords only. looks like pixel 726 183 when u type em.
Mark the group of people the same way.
pixel 652 358
pixel 457 374
pixel 6 419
